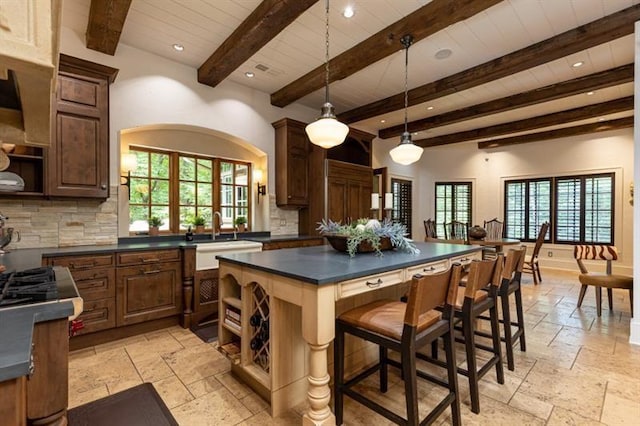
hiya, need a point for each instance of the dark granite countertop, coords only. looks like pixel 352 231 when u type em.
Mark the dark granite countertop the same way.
pixel 19 259
pixel 324 265
pixel 16 329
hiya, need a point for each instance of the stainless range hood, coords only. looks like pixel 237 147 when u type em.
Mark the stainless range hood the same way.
pixel 30 31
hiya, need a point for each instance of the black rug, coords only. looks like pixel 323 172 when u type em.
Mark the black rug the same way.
pixel 207 333
pixel 140 405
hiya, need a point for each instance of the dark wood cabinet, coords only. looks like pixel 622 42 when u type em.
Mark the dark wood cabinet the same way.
pixel 78 159
pixel 95 278
pixel 277 245
pixel 150 289
pixel 205 306
pixel 349 188
pixel 292 164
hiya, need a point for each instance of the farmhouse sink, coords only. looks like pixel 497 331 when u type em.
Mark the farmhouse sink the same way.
pixel 206 252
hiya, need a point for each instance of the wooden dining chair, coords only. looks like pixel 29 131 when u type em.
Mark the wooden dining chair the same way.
pixel 475 299
pixel 456 230
pixel 599 280
pixel 531 261
pixel 430 229
pixel 494 229
pixel 403 327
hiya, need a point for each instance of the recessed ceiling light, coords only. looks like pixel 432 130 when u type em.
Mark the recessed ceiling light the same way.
pixel 600 119
pixel 415 133
pixel 348 12
pixel 590 93
pixel 249 74
pixel 443 53
pixel 430 107
pixel 178 47
pixel 578 64
pixel 383 121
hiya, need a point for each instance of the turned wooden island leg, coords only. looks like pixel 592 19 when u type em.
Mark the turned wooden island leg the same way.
pixel 318 330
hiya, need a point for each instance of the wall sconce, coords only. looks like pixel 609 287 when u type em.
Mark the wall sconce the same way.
pixel 128 162
pixel 262 189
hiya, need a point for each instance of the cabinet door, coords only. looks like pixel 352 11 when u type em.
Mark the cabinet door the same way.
pixel 79 154
pixel 148 292
pixel 337 200
pixel 292 164
pixel 358 199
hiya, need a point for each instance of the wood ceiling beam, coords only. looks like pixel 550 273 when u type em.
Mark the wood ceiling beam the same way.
pixel 594 33
pixel 106 20
pixel 584 129
pixel 600 80
pixel 547 120
pixel 426 21
pixel 263 24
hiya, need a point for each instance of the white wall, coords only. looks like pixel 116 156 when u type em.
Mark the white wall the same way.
pixel 635 321
pixel 487 169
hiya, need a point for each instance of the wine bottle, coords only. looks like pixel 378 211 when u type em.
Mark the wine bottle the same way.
pixel 255 320
pixel 256 343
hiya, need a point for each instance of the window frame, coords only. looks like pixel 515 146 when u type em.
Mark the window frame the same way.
pixel 454 213
pixel 552 235
pixel 174 188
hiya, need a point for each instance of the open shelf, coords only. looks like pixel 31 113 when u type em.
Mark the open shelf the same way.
pixel 231 350
pixel 233 301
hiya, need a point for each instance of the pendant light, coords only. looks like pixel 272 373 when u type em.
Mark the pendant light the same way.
pixel 406 152
pixel 327 131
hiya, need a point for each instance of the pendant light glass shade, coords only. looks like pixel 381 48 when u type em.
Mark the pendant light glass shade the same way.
pixel 406 152
pixel 327 131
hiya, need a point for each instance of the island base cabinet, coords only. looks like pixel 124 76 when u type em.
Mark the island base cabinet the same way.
pixel 13 401
pixel 148 292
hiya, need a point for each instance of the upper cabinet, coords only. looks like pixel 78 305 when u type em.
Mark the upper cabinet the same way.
pixel 78 158
pixel 292 164
pixel 29 30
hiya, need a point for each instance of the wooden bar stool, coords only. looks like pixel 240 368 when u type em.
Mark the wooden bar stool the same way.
pixel 403 327
pixel 511 284
pixel 479 296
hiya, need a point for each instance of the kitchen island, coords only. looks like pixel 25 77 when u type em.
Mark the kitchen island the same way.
pixel 278 308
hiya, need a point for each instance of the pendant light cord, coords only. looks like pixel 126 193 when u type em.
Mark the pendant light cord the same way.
pixel 406 42
pixel 326 56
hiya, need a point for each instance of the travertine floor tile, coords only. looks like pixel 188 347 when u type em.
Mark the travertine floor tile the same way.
pixel 531 405
pixel 212 409
pixel 620 411
pixel 173 392
pixel 562 417
pixel 196 363
pixel 264 419
pixel 582 392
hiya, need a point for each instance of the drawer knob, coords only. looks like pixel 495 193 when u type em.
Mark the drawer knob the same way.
pixel 156 271
pixel 429 269
pixel 374 284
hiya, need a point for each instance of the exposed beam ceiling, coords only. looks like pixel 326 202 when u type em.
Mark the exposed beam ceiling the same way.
pixel 584 129
pixel 608 78
pixel 586 36
pixel 554 119
pixel 426 21
pixel 106 19
pixel 264 23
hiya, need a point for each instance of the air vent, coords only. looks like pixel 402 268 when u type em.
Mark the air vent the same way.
pixel 262 67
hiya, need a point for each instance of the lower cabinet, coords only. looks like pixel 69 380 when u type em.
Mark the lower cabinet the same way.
pixel 205 291
pixel 148 292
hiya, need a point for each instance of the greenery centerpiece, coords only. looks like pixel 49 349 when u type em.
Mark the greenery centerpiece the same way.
pixel 364 233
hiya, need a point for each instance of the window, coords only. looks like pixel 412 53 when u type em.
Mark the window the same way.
pixel 528 205
pixel 579 208
pixel 453 202
pixel 177 187
pixel 401 190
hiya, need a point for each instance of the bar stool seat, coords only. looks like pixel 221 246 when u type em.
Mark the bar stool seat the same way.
pixel 402 327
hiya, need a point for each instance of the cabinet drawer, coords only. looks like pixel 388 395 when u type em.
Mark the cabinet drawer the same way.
pixel 79 263
pixel 95 283
pixel 368 283
pixel 465 259
pixel 148 292
pixel 98 315
pixel 153 256
pixel 427 268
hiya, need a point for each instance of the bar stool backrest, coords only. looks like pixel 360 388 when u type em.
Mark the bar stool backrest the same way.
pixel 429 291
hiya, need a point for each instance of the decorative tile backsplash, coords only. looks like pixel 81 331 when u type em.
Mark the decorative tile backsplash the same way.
pixel 62 223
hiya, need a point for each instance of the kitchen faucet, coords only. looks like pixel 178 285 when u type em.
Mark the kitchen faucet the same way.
pixel 213 224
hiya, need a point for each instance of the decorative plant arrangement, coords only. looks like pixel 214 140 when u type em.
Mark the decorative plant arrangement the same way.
pixel 241 223
pixel 154 223
pixel 366 235
pixel 198 222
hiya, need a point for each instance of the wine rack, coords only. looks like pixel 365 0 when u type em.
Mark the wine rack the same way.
pixel 259 327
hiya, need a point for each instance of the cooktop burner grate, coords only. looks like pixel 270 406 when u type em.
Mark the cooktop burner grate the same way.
pixel 28 286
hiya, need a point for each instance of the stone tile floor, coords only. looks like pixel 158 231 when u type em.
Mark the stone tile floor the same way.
pixel 578 370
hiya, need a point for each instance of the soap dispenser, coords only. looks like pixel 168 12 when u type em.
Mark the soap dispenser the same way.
pixel 189 235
